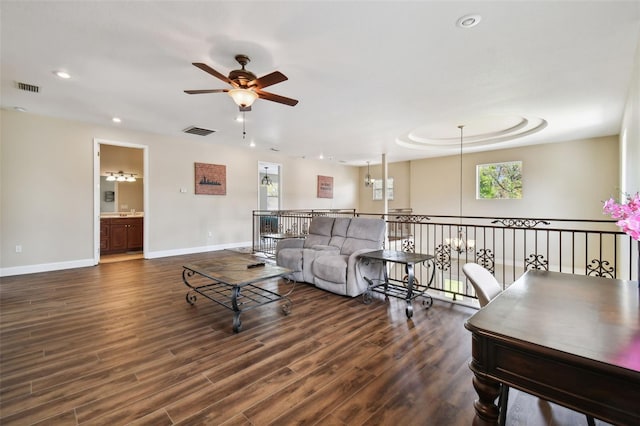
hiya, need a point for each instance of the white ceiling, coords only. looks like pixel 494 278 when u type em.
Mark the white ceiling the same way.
pixel 367 74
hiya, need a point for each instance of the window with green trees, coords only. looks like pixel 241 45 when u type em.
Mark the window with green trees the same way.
pixel 499 180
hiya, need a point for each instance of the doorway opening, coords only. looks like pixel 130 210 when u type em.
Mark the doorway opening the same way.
pixel 120 201
pixel 269 186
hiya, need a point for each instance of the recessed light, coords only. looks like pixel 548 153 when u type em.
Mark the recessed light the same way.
pixel 62 74
pixel 252 144
pixel 116 120
pixel 20 109
pixel 469 21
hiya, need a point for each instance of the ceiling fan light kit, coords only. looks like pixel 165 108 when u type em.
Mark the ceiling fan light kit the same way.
pixel 243 97
pixel 246 87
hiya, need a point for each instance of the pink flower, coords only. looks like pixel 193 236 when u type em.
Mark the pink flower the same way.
pixel 628 213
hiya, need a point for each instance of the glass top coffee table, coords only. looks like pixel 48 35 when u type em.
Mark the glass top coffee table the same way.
pixel 233 281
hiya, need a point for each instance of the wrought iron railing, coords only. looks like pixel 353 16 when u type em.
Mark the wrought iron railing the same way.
pixel 270 226
pixel 506 246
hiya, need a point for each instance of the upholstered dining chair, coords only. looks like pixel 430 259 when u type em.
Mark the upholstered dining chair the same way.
pixel 487 287
pixel 483 282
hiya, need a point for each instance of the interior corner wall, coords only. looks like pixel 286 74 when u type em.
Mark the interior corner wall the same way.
pixel 559 180
pixel 47 191
pixel 630 134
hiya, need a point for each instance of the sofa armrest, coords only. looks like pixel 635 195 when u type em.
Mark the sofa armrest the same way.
pixel 289 243
pixel 357 270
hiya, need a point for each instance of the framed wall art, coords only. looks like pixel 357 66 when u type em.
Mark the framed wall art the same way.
pixel 325 186
pixel 211 179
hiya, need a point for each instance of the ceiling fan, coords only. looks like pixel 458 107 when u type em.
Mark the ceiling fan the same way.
pixel 246 87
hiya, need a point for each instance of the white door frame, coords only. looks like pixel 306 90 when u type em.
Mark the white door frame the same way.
pixel 96 193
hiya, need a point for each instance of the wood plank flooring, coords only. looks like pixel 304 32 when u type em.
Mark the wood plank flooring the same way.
pixel 117 344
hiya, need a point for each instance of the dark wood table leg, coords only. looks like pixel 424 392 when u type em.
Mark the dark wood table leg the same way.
pixel 486 409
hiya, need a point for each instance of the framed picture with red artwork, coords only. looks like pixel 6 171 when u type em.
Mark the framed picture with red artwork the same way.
pixel 325 186
pixel 211 179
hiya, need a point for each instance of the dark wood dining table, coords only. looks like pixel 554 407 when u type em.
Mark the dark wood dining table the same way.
pixel 569 339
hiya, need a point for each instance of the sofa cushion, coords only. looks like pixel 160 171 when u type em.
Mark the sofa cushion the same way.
pixel 339 232
pixel 309 256
pixel 363 233
pixel 331 268
pixel 290 258
pixel 319 231
pixel 340 226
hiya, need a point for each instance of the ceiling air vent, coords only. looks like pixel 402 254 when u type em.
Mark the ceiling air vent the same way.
pixel 27 87
pixel 198 131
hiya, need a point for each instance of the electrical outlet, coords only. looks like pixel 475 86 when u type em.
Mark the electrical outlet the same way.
pixel 18 248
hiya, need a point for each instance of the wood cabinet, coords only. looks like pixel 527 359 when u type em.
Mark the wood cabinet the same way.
pixel 119 235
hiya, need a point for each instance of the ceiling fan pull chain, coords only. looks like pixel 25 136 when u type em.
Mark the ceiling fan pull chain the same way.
pixel 244 133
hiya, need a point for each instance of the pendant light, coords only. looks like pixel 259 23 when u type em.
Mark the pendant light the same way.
pixel 460 244
pixel 368 180
pixel 266 180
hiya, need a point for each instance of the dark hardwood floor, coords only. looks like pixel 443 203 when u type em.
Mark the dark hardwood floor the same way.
pixel 118 344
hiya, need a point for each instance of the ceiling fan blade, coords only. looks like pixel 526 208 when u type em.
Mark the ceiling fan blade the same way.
pixel 269 79
pixel 276 98
pixel 197 92
pixel 206 68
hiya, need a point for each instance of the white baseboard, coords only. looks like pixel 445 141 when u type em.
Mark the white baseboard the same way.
pixel 193 250
pixel 83 263
pixel 45 267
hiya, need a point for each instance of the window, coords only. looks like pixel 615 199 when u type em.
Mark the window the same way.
pixel 377 189
pixel 499 181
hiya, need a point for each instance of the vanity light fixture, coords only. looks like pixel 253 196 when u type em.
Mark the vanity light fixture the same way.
pixel 121 177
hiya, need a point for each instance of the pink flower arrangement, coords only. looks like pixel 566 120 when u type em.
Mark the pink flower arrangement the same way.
pixel 627 213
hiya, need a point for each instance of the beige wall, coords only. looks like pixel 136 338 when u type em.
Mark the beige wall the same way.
pixel 400 172
pixel 54 223
pixel 560 180
pixel 630 134
pixel 130 195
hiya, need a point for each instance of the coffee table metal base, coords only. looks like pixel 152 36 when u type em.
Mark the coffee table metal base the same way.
pixel 238 298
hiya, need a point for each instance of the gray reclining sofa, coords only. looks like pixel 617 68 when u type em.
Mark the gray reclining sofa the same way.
pixel 328 256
